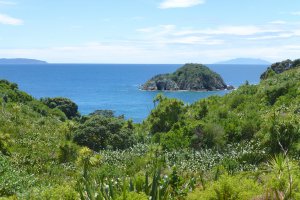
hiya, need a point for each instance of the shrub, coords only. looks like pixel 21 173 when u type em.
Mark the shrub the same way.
pixel 133 196
pixel 99 132
pixel 57 192
pixel 12 181
pixel 228 188
pixel 213 135
pixel 165 115
pixel 282 132
pixel 67 152
pixel 65 105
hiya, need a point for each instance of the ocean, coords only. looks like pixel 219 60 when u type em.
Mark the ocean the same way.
pixel 114 86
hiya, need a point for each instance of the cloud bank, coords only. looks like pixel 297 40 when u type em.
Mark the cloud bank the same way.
pixel 180 3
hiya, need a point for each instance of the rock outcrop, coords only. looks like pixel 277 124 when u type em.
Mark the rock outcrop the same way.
pixel 279 67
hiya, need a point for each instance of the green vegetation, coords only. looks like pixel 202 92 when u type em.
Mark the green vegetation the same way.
pixel 188 77
pixel 244 145
pixel 99 132
pixel 65 105
pixel 280 67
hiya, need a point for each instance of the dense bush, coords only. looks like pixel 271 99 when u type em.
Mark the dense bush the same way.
pixel 165 114
pixel 65 105
pixel 12 181
pixel 282 133
pixel 100 132
pixel 229 188
pixel 9 92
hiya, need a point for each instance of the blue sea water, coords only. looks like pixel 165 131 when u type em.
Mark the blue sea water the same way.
pixel 113 86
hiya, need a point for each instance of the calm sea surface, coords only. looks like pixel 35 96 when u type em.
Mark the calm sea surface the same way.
pixel 113 86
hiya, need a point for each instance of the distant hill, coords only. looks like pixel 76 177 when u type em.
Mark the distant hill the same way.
pixel 21 61
pixel 245 61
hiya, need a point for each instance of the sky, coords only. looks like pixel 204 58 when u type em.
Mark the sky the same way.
pixel 149 31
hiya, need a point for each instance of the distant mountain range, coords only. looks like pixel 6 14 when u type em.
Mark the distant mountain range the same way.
pixel 21 61
pixel 245 61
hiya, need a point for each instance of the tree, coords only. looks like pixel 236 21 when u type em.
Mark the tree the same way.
pixel 283 133
pixel 64 104
pixel 99 132
pixel 165 115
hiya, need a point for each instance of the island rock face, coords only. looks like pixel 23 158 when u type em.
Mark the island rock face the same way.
pixel 279 67
pixel 193 77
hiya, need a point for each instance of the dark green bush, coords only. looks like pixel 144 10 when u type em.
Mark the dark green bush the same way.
pixel 165 115
pixel 65 105
pixel 99 132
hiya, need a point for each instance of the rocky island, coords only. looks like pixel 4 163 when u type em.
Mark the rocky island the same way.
pixel 192 77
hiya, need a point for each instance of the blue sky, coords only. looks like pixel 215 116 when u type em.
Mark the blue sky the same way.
pixel 149 31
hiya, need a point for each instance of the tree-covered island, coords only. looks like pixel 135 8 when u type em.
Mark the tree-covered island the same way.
pixel 192 77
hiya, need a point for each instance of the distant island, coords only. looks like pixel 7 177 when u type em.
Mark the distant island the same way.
pixel 245 61
pixel 192 77
pixel 21 61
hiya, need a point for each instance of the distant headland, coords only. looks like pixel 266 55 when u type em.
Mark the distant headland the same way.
pixel 191 77
pixel 21 61
pixel 245 61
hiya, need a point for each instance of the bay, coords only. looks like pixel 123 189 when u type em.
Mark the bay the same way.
pixel 114 86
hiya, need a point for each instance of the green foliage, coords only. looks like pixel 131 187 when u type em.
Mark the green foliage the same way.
pixel 12 181
pixel 191 76
pixel 217 148
pixel 213 136
pixel 67 152
pixel 5 143
pixel 99 132
pixel 165 115
pixel 133 196
pixel 174 140
pixel 65 105
pixel 268 74
pixel 280 67
pixel 229 188
pixel 66 192
pixel 105 113
pixel 283 178
pixel 9 92
pixel 44 110
pixel 241 115
pixel 282 132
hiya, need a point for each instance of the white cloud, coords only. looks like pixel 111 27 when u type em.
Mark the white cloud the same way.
pixel 169 35
pixel 229 30
pixel 280 22
pixel 284 34
pixel 217 31
pixel 132 53
pixel 195 40
pixel 8 20
pixel 180 3
pixel 174 44
pixel 270 37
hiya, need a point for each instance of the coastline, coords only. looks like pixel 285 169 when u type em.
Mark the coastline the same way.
pixel 218 90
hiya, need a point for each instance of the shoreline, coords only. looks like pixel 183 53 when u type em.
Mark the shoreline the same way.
pixel 185 90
